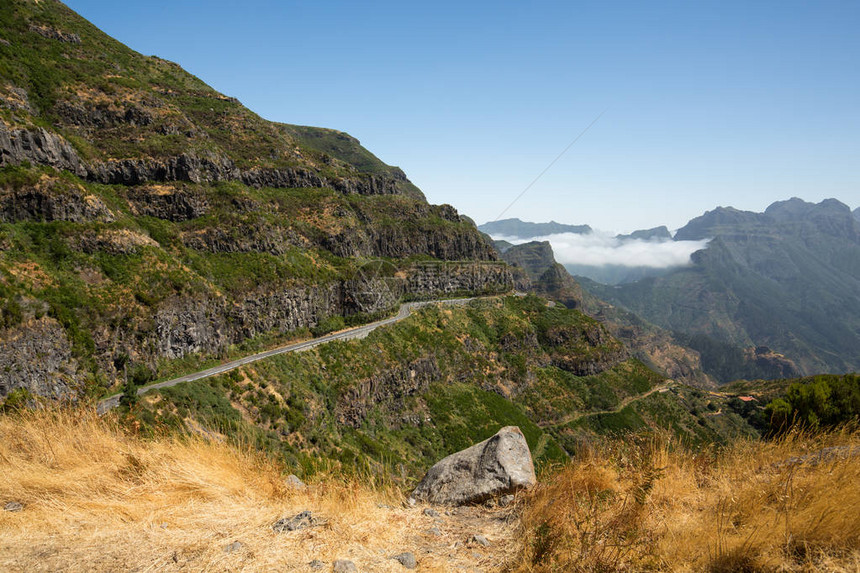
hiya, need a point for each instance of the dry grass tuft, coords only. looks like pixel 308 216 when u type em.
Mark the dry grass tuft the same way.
pixel 98 499
pixel 649 505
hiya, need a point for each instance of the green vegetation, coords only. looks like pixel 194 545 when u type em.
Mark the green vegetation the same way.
pixel 132 270
pixel 120 273
pixel 437 382
pixel 815 403
pixel 113 102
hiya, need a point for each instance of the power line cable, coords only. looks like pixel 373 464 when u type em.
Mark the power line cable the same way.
pixel 583 132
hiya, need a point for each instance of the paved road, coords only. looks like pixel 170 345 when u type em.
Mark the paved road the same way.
pixel 352 333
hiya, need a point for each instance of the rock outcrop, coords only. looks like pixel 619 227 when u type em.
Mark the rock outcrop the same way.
pixel 387 390
pixel 168 203
pixel 55 34
pixel 497 466
pixel 46 204
pixel 37 356
pixel 40 147
pixel 184 326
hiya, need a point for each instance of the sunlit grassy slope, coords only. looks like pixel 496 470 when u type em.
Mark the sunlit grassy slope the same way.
pixel 787 505
pixel 97 498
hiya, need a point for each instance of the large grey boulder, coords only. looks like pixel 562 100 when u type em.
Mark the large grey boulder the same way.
pixel 497 466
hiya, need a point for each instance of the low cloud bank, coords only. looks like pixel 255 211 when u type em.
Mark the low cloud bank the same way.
pixel 599 249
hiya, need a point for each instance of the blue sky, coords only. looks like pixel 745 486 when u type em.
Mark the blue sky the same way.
pixel 707 102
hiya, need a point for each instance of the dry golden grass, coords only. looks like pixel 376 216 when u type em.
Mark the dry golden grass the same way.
pixel 646 505
pixel 97 499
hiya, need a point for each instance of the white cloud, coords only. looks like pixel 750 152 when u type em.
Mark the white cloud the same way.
pixel 598 249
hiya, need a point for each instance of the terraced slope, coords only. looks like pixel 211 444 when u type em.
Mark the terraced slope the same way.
pixel 146 218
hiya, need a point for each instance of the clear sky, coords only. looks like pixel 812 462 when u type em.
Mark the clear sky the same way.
pixel 707 103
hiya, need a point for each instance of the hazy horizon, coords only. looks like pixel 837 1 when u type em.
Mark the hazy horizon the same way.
pixel 655 224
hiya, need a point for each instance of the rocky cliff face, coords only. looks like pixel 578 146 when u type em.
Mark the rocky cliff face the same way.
pixel 41 147
pixel 388 391
pixel 37 205
pixel 186 325
pixel 37 356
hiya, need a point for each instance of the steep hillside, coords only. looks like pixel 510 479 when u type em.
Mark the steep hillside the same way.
pixel 436 382
pixel 145 217
pixel 787 279
pixel 653 345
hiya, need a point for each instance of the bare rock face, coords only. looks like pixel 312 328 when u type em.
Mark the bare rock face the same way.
pixel 37 356
pixel 497 466
pixel 174 204
pixel 38 146
pixel 48 203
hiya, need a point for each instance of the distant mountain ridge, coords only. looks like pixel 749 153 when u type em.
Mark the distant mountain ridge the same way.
pixel 657 233
pixel 787 279
pixel 525 230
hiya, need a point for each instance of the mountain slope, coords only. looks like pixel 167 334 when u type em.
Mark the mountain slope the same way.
pixel 651 344
pixel 787 279
pixel 434 383
pixel 146 218
pixel 100 101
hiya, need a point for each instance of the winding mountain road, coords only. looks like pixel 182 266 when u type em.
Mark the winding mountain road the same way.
pixel 349 334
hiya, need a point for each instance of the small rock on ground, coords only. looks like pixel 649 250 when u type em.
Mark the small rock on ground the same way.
pixel 298 521
pixel 316 564
pixel 406 559
pixel 481 540
pixel 430 512
pixel 235 546
pixel 13 506
pixel 344 566
pixel 434 531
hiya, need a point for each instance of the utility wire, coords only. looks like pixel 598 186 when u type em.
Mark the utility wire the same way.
pixel 583 132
